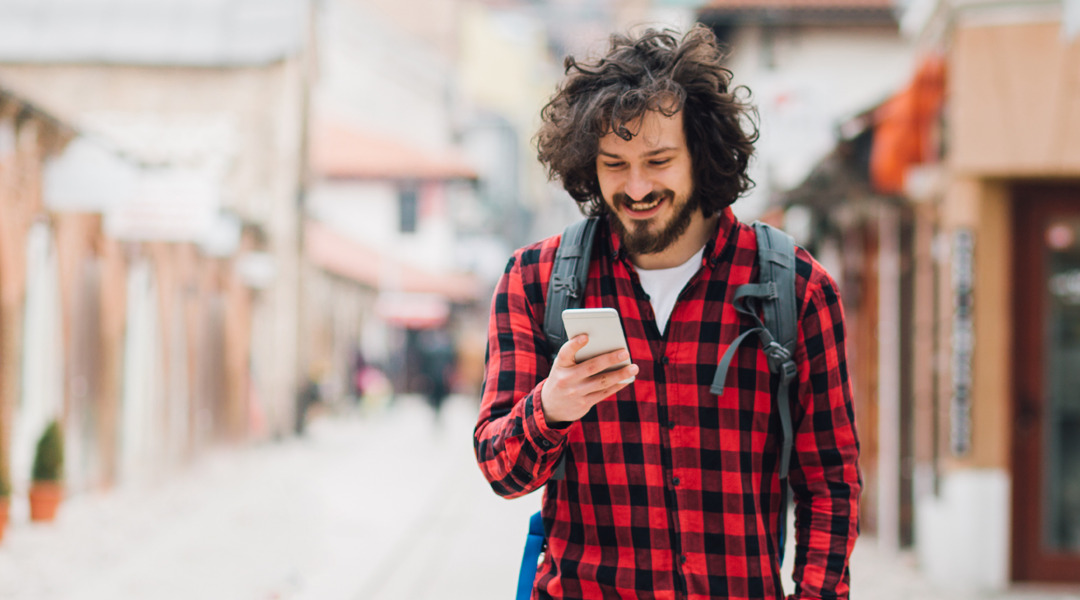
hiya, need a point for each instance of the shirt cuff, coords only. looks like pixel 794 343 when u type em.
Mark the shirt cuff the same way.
pixel 543 436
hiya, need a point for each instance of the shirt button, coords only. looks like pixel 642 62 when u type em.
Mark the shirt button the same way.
pixel 664 360
pixel 675 481
pixel 682 559
pixel 671 424
pixel 544 443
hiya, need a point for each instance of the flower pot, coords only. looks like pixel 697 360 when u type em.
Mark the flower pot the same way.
pixel 4 503
pixel 44 499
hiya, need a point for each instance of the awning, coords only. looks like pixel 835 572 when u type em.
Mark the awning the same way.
pixel 904 127
pixel 413 311
pixel 345 257
pixel 338 151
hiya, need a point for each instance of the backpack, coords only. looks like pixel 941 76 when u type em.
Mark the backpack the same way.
pixel 773 295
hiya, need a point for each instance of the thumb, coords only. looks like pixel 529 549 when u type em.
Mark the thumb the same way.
pixel 566 354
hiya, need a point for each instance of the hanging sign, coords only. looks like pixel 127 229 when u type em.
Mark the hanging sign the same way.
pixel 963 340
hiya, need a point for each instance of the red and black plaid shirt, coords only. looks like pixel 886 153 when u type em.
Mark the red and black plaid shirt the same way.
pixel 671 491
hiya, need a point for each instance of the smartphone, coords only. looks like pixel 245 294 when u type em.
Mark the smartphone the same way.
pixel 604 329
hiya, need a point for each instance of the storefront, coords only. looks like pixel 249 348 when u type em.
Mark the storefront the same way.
pixel 961 276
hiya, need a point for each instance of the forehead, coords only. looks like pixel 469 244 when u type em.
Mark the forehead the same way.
pixel 653 131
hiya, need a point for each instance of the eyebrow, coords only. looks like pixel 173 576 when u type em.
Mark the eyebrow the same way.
pixel 649 153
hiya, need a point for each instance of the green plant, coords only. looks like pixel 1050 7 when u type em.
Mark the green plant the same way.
pixel 49 458
pixel 5 484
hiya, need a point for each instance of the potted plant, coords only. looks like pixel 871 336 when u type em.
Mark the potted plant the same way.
pixel 5 496
pixel 46 489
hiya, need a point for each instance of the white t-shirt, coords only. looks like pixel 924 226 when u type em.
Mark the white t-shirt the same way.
pixel 664 286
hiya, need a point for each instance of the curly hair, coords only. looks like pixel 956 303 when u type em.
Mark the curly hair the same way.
pixel 659 72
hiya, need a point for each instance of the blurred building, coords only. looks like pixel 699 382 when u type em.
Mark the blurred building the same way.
pixel 811 69
pixel 956 209
pixel 393 197
pixel 161 244
pixel 809 66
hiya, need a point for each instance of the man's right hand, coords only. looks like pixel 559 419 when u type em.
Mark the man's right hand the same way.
pixel 572 388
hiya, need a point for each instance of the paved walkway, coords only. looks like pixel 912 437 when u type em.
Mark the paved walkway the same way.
pixel 389 507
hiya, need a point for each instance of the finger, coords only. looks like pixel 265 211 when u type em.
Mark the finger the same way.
pixel 599 364
pixel 611 381
pixel 565 358
pixel 609 391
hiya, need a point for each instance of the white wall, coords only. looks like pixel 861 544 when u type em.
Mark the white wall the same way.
pixel 368 213
pixel 963 535
pixel 804 83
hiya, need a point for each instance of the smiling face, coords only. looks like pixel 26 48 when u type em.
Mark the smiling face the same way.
pixel 647 184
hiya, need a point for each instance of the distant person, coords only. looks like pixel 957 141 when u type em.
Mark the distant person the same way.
pixel 439 360
pixel 309 394
pixel 669 491
pixel 357 375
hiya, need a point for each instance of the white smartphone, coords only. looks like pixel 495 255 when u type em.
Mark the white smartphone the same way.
pixel 604 329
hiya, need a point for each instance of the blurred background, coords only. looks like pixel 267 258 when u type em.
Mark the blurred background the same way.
pixel 247 251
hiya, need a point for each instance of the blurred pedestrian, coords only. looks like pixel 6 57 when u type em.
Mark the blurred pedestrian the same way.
pixel 439 360
pixel 357 376
pixel 670 491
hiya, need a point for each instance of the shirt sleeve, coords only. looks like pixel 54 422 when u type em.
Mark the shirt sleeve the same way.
pixel 515 447
pixel 825 475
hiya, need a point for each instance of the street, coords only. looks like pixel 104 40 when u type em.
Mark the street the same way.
pixel 377 507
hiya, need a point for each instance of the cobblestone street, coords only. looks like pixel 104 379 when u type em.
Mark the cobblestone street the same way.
pixel 385 507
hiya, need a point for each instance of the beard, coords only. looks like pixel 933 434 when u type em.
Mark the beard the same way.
pixel 639 237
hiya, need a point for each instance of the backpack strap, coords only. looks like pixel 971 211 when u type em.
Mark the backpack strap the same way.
pixel 774 297
pixel 566 288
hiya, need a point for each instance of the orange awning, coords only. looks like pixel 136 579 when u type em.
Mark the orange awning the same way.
pixel 904 127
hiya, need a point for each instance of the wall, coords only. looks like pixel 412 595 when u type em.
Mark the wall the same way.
pixel 1011 114
pixel 254 116
pixel 1012 107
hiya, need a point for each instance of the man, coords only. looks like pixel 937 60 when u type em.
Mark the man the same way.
pixel 669 491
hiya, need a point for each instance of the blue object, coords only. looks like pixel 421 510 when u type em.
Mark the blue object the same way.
pixel 534 544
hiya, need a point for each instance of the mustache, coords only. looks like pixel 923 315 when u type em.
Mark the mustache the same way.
pixel 620 198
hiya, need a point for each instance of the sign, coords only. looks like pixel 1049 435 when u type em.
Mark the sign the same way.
pixel 963 341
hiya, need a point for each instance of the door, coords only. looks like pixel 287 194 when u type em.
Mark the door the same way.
pixel 1046 435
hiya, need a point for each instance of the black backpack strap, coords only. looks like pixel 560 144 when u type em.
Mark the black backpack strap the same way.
pixel 776 260
pixel 774 296
pixel 566 288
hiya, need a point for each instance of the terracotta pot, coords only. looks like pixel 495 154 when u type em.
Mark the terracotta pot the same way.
pixel 4 502
pixel 44 499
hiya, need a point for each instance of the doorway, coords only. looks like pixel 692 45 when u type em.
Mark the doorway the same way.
pixel 1046 405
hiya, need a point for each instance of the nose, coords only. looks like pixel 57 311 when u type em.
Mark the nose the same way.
pixel 637 185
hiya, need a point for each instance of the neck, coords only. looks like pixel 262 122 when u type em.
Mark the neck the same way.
pixel 697 234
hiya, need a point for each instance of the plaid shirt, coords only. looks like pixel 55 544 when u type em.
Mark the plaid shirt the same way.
pixel 671 491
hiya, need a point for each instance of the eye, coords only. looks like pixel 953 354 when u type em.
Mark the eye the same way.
pixel 659 162
pixel 613 164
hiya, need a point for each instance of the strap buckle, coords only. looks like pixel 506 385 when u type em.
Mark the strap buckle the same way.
pixel 780 361
pixel 565 283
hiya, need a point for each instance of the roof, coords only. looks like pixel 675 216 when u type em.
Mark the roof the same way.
pixel 800 11
pixel 345 257
pixel 802 4
pixel 341 152
pixel 207 33
pixel 25 104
